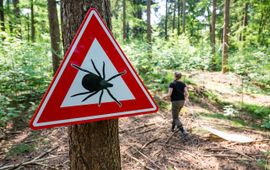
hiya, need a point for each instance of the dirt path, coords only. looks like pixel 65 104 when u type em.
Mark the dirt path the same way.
pixel 146 141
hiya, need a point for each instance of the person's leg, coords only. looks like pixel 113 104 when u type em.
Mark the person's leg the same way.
pixel 175 114
pixel 181 104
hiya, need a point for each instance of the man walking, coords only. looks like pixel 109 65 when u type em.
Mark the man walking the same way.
pixel 178 93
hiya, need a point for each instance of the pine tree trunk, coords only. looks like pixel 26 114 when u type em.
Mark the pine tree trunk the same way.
pixel 178 16
pixel 245 20
pixel 183 16
pixel 213 34
pixel 17 14
pixel 2 18
pixel 174 13
pixel 166 21
pixel 149 31
pixel 124 20
pixel 33 31
pixel 54 33
pixel 93 146
pixel 10 18
pixel 225 44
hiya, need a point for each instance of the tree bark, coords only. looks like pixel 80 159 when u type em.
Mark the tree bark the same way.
pixel 213 34
pixel 124 20
pixel 166 21
pixel 245 21
pixel 149 30
pixel 10 18
pixel 178 16
pixel 95 145
pixel 183 16
pixel 174 13
pixel 225 44
pixel 33 31
pixel 2 18
pixel 54 33
pixel 17 14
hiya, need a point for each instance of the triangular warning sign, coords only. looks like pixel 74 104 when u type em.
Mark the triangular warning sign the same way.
pixel 94 82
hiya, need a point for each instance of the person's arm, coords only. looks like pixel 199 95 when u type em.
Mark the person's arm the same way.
pixel 186 95
pixel 169 93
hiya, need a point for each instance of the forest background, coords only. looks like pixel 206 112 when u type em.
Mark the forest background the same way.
pixel 158 36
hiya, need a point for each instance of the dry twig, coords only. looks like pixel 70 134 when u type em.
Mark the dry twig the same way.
pixel 36 159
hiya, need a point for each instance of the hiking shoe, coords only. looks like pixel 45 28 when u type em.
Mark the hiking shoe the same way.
pixel 183 133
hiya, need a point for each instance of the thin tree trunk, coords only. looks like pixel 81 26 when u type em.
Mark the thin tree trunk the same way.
pixel 183 16
pixel 2 16
pixel 149 31
pixel 166 21
pixel 225 44
pixel 174 13
pixel 178 16
pixel 9 18
pixel 17 12
pixel 33 31
pixel 245 21
pixel 54 33
pixel 213 34
pixel 124 20
pixel 95 145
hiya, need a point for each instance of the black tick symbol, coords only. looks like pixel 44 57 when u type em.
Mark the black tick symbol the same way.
pixel 95 83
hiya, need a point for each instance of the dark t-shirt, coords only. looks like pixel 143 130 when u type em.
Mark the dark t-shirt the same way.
pixel 178 90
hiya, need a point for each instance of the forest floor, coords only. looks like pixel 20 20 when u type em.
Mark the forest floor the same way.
pixel 147 142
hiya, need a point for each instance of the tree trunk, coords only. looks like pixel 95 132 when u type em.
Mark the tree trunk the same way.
pixel 10 18
pixel 2 18
pixel 149 31
pixel 245 21
pixel 124 20
pixel 183 16
pixel 225 44
pixel 166 21
pixel 178 16
pixel 33 31
pixel 95 145
pixel 54 33
pixel 174 13
pixel 17 14
pixel 213 34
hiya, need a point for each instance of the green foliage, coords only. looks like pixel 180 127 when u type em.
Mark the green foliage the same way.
pixel 20 149
pixel 25 74
pixel 253 64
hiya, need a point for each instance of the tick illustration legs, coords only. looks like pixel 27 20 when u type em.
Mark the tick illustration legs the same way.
pixel 119 103
pixel 100 98
pixel 78 94
pixel 119 74
pixel 90 96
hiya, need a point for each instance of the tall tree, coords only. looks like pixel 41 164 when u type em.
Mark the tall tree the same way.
pixel 166 20
pixel 149 30
pixel 245 19
pixel 225 44
pixel 124 21
pixel 2 18
pixel 17 13
pixel 10 18
pixel 178 16
pixel 213 33
pixel 54 33
pixel 92 145
pixel 174 13
pixel 33 29
pixel 183 15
